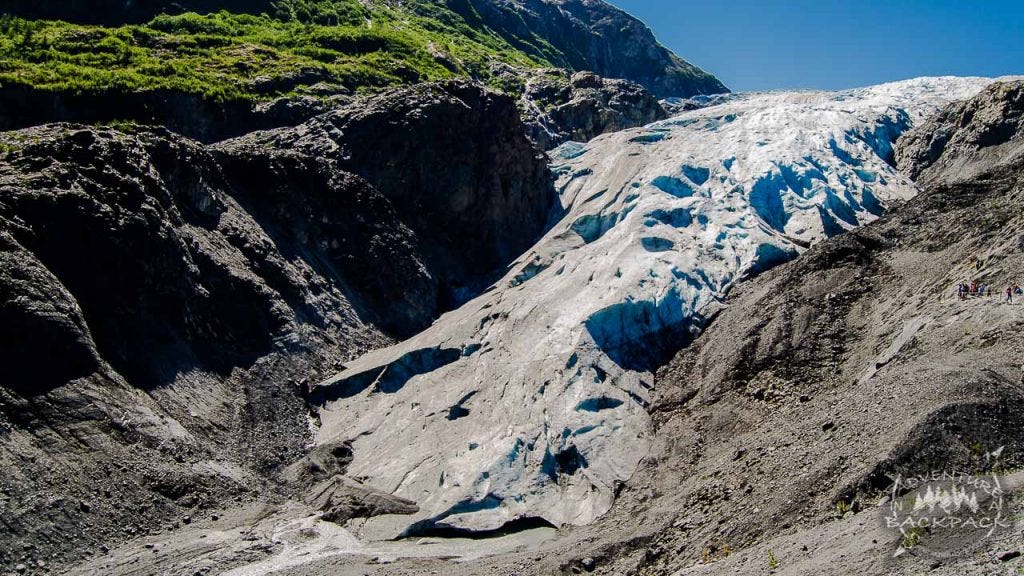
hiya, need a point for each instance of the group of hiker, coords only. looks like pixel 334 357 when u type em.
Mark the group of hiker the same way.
pixel 980 289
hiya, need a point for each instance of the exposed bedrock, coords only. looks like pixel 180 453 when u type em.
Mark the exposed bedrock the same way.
pixel 340 224
pixel 559 106
pixel 455 163
pixel 192 115
pixel 972 136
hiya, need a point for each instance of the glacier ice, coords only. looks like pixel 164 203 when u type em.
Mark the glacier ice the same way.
pixel 529 402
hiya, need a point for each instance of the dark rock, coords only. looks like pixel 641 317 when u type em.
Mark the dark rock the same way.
pixel 558 106
pixel 342 499
pixel 476 196
pixel 679 105
pixel 33 301
pixel 1009 555
pixel 152 214
pixel 309 203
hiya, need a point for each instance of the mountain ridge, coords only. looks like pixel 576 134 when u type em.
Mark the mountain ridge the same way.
pixel 273 48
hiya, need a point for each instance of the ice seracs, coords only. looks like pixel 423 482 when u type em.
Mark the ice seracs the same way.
pixel 529 402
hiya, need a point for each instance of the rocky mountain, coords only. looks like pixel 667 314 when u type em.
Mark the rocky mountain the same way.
pixel 150 326
pixel 964 141
pixel 478 195
pixel 595 36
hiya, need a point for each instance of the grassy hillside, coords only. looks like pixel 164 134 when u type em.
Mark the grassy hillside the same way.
pixel 299 44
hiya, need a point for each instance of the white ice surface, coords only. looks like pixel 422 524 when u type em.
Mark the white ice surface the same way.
pixel 529 401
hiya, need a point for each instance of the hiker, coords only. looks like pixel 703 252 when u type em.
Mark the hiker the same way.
pixel 1009 294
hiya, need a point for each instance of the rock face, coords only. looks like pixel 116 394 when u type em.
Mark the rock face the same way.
pixel 172 262
pixel 454 161
pixel 967 138
pixel 592 35
pixel 339 219
pixel 826 378
pixel 530 402
pixel 558 106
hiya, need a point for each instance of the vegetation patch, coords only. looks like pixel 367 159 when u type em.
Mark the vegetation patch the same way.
pixel 302 46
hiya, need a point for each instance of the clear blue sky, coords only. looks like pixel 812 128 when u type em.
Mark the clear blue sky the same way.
pixel 767 44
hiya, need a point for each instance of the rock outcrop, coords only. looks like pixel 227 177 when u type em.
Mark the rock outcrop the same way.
pixel 343 225
pixel 969 137
pixel 190 115
pixel 558 106
pixel 454 161
pixel 592 35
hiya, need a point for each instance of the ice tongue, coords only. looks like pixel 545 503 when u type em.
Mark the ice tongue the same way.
pixel 530 402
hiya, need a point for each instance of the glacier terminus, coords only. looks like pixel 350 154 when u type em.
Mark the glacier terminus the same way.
pixel 528 402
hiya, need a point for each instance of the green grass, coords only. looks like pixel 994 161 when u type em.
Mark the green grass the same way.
pixel 229 56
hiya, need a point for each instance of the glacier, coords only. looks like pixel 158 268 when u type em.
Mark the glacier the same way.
pixel 529 403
